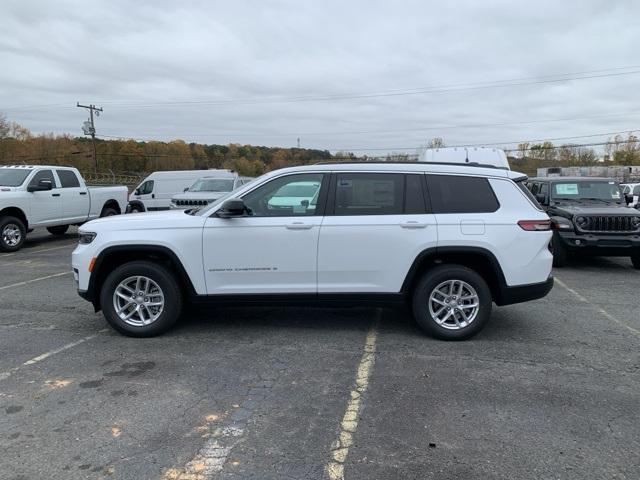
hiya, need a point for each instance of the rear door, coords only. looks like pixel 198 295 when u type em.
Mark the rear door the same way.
pixel 375 226
pixel 75 198
pixel 46 206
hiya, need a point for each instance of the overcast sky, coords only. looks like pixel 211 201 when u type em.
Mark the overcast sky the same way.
pixel 340 75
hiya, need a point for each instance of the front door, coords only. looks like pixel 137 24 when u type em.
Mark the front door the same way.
pixel 46 206
pixel 273 248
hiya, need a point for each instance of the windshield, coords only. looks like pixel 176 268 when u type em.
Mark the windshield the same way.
pixel 13 177
pixel 212 185
pixel 603 190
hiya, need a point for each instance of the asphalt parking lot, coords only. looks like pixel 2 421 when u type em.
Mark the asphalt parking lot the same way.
pixel 549 390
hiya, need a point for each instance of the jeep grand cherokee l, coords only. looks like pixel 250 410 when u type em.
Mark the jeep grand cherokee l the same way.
pixel 448 239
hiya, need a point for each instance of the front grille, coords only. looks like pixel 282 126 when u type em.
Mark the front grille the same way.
pixel 191 203
pixel 607 223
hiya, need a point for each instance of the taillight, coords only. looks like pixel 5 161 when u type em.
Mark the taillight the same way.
pixel 535 225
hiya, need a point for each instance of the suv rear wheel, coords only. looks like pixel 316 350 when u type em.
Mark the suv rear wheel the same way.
pixel 635 260
pixel 141 299
pixel 452 302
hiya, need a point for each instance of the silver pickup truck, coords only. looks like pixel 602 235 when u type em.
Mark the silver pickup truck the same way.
pixel 51 197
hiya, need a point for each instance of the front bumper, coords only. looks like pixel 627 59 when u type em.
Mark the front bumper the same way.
pixel 524 293
pixel 606 245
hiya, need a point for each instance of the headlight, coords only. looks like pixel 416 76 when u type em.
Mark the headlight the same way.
pixel 87 237
pixel 635 222
pixel 582 222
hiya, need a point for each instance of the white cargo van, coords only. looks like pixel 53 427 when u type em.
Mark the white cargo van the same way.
pixel 155 191
pixel 480 156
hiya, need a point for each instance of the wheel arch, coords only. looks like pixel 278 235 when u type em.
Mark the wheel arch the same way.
pixel 479 259
pixel 112 204
pixel 17 213
pixel 112 257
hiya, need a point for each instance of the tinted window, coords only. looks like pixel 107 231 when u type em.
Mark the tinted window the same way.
pixel 636 190
pixel 414 195
pixel 145 188
pixel 13 177
pixel 293 195
pixel 68 179
pixel 369 194
pixel 458 194
pixel 43 175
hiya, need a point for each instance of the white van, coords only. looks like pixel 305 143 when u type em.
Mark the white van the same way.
pixel 155 191
pixel 481 156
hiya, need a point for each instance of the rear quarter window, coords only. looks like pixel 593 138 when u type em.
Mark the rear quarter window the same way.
pixel 460 194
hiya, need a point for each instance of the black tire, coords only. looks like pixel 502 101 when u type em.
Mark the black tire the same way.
pixel 135 209
pixel 108 212
pixel 12 234
pixel 163 278
pixel 635 260
pixel 559 251
pixel 435 277
pixel 58 230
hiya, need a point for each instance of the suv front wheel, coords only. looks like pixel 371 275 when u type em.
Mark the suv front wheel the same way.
pixel 452 302
pixel 141 299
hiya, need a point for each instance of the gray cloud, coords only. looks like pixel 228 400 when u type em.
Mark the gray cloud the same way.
pixel 134 57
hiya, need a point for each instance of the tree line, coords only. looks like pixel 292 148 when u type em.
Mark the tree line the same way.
pixel 19 146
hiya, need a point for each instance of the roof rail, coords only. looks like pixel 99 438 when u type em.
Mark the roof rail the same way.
pixel 404 162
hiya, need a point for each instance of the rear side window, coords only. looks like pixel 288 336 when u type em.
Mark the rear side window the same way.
pixel 459 194
pixel 636 190
pixel 68 179
pixel 369 194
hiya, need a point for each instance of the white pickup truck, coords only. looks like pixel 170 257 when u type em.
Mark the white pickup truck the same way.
pixel 51 197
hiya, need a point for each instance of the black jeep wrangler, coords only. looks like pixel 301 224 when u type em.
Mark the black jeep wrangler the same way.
pixel 590 216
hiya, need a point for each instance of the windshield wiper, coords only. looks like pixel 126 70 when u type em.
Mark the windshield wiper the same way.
pixel 597 199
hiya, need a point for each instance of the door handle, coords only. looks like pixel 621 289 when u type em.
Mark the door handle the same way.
pixel 412 224
pixel 83 193
pixel 55 194
pixel 153 195
pixel 299 226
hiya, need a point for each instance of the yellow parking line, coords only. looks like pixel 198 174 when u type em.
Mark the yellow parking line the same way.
pixel 349 424
pixel 601 310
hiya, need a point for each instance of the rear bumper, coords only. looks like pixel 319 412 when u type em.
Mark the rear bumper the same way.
pixel 524 293
pixel 606 245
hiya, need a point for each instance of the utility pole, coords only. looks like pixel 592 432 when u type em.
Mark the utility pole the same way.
pixel 298 142
pixel 89 128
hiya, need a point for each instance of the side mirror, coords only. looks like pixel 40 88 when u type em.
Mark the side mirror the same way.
pixel 186 189
pixel 136 191
pixel 232 208
pixel 628 198
pixel 42 186
pixel 541 198
pixel 305 203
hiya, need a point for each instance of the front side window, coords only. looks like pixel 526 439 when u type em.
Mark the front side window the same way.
pixel 292 195
pixel 636 190
pixel 68 179
pixel 212 185
pixel 460 194
pixel 43 175
pixel 146 188
pixel 369 194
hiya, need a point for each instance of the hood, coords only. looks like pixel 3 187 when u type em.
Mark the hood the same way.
pixel 596 209
pixel 198 195
pixel 151 220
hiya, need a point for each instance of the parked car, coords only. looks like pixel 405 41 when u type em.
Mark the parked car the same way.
pixel 447 239
pixel 208 189
pixel 51 197
pixel 631 191
pixel 156 191
pixel 590 217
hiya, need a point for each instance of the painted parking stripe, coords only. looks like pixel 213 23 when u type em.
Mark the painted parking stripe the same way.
pixel 349 424
pixel 601 310
pixel 27 282
pixel 39 251
pixel 44 356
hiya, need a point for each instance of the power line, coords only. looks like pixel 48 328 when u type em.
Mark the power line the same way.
pixel 541 79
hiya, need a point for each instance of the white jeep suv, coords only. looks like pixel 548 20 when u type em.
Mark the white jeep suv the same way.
pixel 449 239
